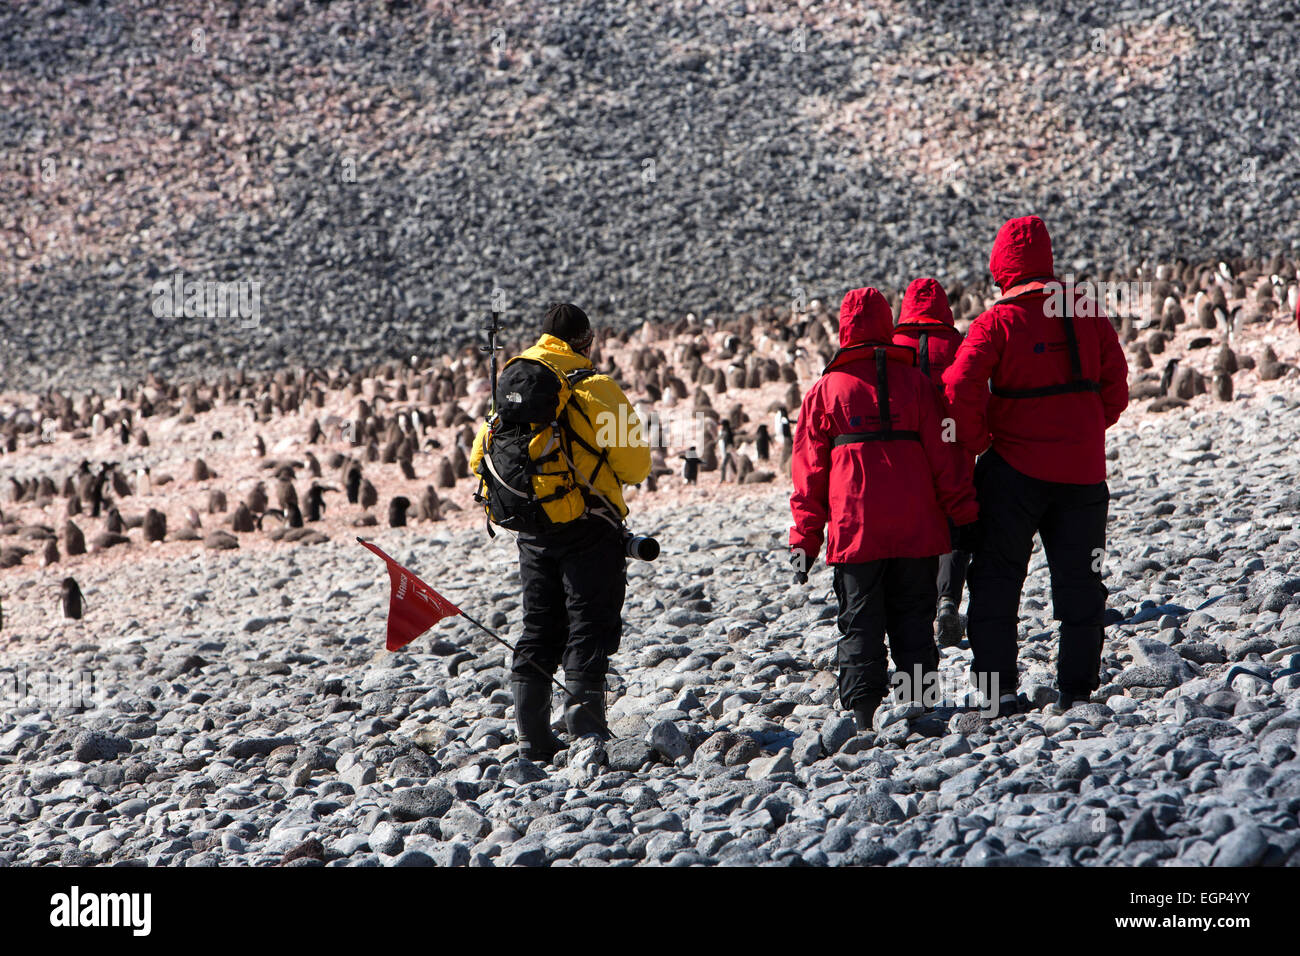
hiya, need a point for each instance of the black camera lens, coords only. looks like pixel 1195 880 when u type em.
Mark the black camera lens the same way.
pixel 642 547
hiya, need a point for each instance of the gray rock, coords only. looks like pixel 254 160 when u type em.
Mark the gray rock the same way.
pixel 92 745
pixel 666 740
pixel 414 858
pixel 417 803
pixel 1242 846
pixel 836 731
pixel 629 754
pixel 385 839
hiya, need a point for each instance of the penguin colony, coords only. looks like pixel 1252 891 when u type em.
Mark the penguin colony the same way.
pixel 314 451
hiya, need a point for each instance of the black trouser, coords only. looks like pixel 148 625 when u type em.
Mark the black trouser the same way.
pixel 895 596
pixel 952 573
pixel 573 586
pixel 1071 521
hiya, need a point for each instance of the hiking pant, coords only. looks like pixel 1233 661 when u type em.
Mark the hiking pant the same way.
pixel 894 596
pixel 1071 521
pixel 952 573
pixel 573 586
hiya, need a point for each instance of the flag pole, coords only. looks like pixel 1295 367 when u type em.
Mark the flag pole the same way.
pixel 490 633
pixel 537 667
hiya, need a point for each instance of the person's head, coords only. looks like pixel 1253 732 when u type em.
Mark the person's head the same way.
pixel 925 301
pixel 1022 252
pixel 865 316
pixel 570 323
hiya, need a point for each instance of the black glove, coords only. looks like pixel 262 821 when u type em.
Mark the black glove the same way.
pixel 966 537
pixel 799 562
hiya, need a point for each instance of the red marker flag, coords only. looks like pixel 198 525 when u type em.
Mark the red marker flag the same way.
pixel 414 608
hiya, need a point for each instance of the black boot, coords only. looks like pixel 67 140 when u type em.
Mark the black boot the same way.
pixel 533 720
pixel 864 712
pixel 950 626
pixel 589 718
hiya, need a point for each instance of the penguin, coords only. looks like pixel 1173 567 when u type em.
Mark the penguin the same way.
pixel 446 473
pixel 353 483
pixel 285 494
pixel 762 443
pixel 1223 386
pixel 155 525
pixel 242 520
pixel 369 497
pixel 74 541
pixel 724 445
pixel 430 507
pixel 257 501
pixel 1167 376
pixel 691 466
pixel 316 501
pixel 70 595
pixel 397 511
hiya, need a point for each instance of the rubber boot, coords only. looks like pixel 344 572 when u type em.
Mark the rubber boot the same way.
pixel 590 717
pixel 533 720
pixel 951 631
pixel 1066 701
pixel 865 712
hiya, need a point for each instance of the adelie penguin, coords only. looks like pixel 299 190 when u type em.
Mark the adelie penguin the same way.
pixel 397 511
pixel 316 501
pixel 242 520
pixel 70 596
pixel 256 501
pixel 368 496
pixel 155 525
pixel 430 508
pixel 353 485
pixel 691 466
pixel 1223 386
pixel 723 448
pixel 762 443
pixel 74 541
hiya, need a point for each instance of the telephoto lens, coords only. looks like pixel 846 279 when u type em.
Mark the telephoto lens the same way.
pixel 640 546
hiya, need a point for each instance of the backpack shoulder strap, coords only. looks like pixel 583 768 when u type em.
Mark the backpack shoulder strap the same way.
pixel 923 353
pixel 886 431
pixel 1077 382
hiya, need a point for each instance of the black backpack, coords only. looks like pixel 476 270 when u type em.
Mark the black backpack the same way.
pixel 527 480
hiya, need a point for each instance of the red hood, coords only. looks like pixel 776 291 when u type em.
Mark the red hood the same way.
pixel 865 317
pixel 1022 251
pixel 924 302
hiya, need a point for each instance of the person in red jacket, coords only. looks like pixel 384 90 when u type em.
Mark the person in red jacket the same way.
pixel 1039 378
pixel 873 476
pixel 925 324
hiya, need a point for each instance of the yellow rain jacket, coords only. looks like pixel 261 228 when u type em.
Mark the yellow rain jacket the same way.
pixel 610 423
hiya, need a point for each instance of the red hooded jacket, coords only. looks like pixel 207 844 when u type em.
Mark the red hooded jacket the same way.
pixel 873 499
pixel 1021 345
pixel 925 311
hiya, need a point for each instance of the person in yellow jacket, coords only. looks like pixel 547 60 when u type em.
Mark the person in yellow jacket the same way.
pixel 574 574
